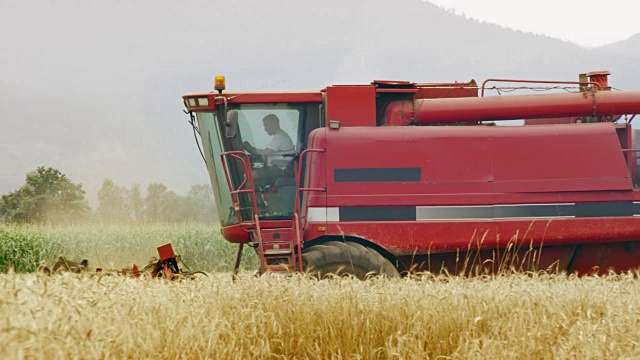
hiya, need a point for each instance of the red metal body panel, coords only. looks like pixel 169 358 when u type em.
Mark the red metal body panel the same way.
pixel 260 98
pixel 351 105
pixel 480 160
pixel 239 235
pixel 422 237
pixel 166 252
pixel 526 106
pixel 582 246
pixel 379 197
pixel 449 90
pixel 475 166
pixel 274 97
pixel 550 161
pixel 235 234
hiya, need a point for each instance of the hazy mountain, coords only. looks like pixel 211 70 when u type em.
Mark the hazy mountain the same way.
pixel 93 87
pixel 629 47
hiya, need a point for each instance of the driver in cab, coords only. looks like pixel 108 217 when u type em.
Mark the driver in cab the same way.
pixel 280 143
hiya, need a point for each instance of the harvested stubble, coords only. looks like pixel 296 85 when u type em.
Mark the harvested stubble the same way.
pixel 509 316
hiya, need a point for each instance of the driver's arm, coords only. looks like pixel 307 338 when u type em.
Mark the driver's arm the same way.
pixel 252 149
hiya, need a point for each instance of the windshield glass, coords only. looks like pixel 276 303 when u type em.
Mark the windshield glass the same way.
pixel 212 148
pixel 270 134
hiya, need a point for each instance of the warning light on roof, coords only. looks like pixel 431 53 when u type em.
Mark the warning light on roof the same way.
pixel 219 84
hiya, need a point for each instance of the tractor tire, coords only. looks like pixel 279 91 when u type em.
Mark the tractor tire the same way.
pixel 337 258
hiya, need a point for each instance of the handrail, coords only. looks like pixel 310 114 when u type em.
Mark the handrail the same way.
pixel 299 176
pixel 248 177
pixel 540 82
pixel 296 217
pixel 296 224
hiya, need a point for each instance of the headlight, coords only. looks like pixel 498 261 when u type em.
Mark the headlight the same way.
pixel 203 102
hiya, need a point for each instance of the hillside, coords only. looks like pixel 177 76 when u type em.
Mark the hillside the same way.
pixel 94 88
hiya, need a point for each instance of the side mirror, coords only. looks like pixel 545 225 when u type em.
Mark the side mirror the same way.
pixel 231 124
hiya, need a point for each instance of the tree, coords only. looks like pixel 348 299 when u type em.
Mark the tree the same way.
pixel 112 202
pixel 202 204
pixel 135 203
pixel 163 205
pixel 47 195
pixel 155 203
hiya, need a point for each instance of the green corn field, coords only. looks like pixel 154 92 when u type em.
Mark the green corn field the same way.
pixel 201 246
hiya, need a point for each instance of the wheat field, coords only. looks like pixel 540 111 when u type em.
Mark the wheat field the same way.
pixel 515 316
pixel 506 316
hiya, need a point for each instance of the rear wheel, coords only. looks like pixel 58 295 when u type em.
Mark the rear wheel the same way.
pixel 346 258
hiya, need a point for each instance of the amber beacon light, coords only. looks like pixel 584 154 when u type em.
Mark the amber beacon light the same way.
pixel 219 84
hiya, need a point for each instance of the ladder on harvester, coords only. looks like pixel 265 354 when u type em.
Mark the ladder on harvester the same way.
pixel 279 249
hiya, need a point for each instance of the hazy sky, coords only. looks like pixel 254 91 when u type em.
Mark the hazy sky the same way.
pixel 94 88
pixel 585 22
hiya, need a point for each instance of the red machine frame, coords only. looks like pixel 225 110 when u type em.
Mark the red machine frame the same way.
pixel 371 176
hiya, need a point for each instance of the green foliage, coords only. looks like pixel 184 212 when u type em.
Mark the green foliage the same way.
pixel 47 196
pixel 201 246
pixel 158 203
pixel 163 205
pixel 112 202
pixel 117 204
pixel 201 203
pixel 136 204
pixel 23 250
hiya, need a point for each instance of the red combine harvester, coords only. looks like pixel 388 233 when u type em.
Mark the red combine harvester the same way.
pixel 397 176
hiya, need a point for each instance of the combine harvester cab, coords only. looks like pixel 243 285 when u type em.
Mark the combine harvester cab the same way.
pixel 393 176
